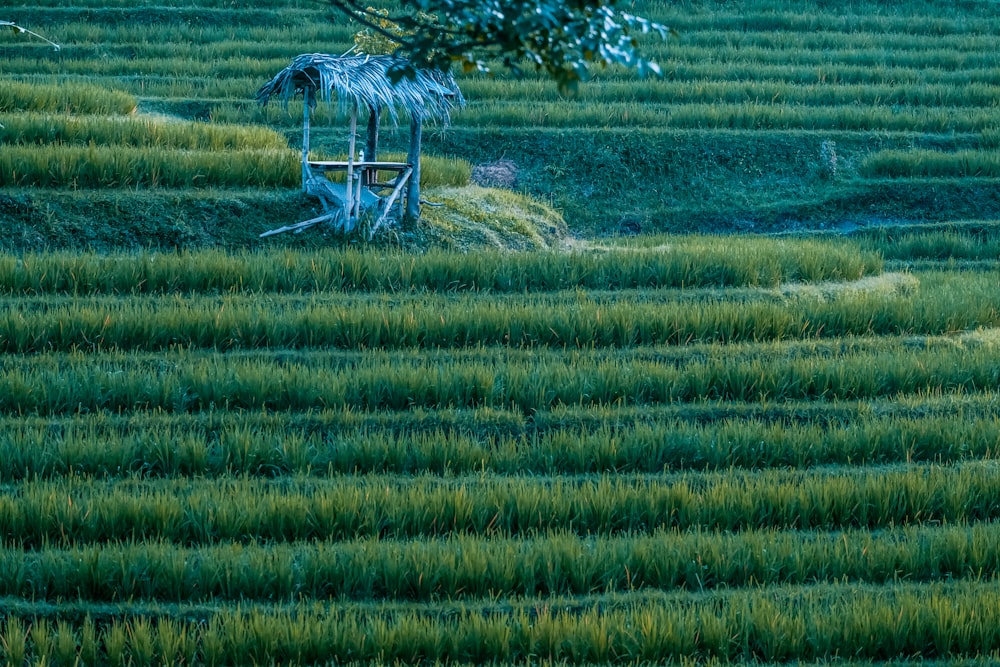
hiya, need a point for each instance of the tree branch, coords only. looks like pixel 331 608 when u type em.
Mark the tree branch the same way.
pixel 560 37
pixel 370 19
pixel 16 28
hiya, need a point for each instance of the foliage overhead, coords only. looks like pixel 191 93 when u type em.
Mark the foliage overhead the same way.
pixel 384 38
pixel 560 37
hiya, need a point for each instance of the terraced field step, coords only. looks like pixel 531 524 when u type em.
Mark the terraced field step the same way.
pixel 949 621
pixel 134 131
pixel 474 568
pixel 890 305
pixel 288 509
pixel 689 83
pixel 331 444
pixel 885 305
pixel 754 114
pixel 529 380
pixel 692 262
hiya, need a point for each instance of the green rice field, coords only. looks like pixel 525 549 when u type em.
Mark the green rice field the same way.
pixel 657 450
pixel 769 116
pixel 649 449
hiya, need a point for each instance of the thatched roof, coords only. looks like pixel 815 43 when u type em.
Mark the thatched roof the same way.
pixel 362 82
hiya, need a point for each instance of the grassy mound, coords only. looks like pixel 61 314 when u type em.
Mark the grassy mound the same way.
pixel 472 217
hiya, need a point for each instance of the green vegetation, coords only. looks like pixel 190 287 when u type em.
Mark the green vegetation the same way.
pixel 28 129
pixel 609 450
pixel 689 262
pixel 93 167
pixel 473 567
pixel 767 118
pixel 740 449
pixel 503 442
pixel 584 457
pixel 64 98
pixel 900 164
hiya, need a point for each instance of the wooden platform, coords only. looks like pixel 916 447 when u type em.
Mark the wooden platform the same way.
pixel 340 165
pixel 368 170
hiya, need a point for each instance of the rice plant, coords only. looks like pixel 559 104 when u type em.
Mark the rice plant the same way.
pixel 95 166
pixel 945 621
pixel 72 98
pixel 688 263
pixel 903 164
pixel 527 380
pixel 70 512
pixel 479 568
pixel 960 240
pixel 943 305
pixel 747 115
pixel 49 129
pixel 564 441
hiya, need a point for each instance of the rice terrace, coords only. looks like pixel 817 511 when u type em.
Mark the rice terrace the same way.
pixel 701 368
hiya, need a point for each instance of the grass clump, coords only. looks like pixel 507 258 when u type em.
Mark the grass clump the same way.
pixel 965 240
pixel 69 98
pixel 474 216
pixel 96 166
pixel 931 163
pixel 137 131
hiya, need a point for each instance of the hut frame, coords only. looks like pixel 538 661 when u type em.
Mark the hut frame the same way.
pixel 363 84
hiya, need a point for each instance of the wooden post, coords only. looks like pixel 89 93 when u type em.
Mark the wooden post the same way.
pixel 413 186
pixel 369 176
pixel 306 99
pixel 349 205
pixel 371 143
pixel 357 195
pixel 400 183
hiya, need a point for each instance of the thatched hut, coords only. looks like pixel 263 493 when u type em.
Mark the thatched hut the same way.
pixel 362 85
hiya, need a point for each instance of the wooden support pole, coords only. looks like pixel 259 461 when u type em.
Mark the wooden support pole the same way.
pixel 300 226
pixel 401 181
pixel 371 141
pixel 357 196
pixel 349 204
pixel 413 188
pixel 369 176
pixel 307 94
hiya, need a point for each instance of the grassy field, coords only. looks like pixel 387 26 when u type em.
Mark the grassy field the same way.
pixel 649 449
pixel 661 449
pixel 768 118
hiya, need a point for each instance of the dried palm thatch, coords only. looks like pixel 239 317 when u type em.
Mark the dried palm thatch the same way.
pixel 362 82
